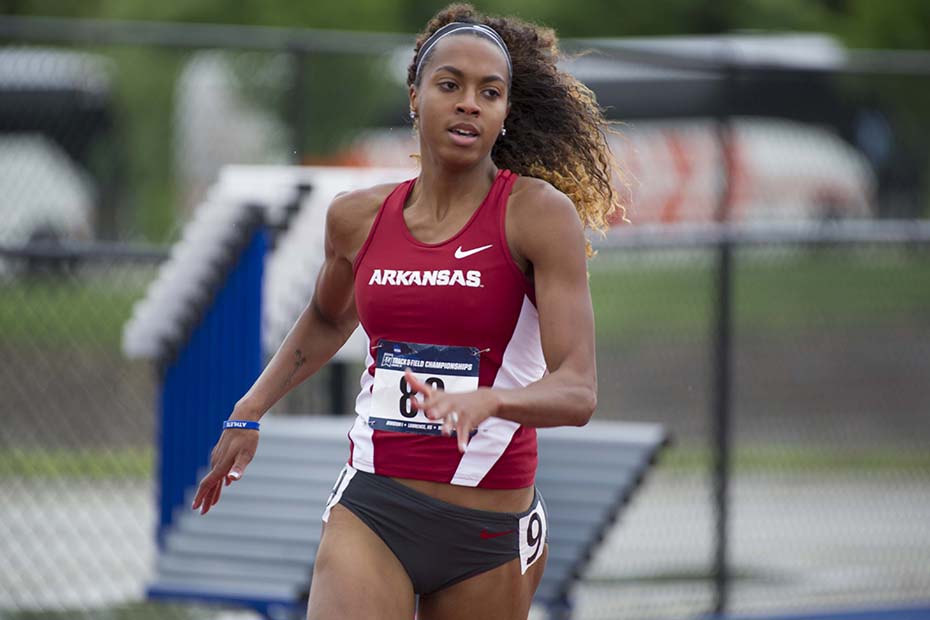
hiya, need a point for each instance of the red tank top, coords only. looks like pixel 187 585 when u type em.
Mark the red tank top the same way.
pixel 464 292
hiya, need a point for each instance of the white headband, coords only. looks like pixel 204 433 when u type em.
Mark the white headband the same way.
pixel 481 29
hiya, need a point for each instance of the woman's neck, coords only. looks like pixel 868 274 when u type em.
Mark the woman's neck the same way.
pixel 440 192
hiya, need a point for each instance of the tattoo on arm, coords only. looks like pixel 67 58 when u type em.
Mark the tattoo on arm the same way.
pixel 299 360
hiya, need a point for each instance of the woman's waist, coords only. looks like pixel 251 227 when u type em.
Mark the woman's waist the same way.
pixel 476 498
pixel 501 459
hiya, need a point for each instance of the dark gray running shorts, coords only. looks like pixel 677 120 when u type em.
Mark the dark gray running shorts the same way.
pixel 438 543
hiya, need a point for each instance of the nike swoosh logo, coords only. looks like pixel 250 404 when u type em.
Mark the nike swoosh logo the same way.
pixel 487 535
pixel 459 253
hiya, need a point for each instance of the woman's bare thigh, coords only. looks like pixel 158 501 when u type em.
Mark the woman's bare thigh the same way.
pixel 498 594
pixel 356 576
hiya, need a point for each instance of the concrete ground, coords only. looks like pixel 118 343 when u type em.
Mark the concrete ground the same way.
pixel 799 543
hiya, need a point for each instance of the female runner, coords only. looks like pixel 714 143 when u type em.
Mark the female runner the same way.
pixel 470 282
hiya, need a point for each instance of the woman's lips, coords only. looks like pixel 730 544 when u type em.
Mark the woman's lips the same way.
pixel 461 139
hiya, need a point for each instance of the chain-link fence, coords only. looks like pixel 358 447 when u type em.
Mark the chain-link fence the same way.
pixel 76 440
pixel 830 469
pixel 830 479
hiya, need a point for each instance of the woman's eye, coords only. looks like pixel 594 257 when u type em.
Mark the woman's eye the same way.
pixel 493 94
pixel 447 85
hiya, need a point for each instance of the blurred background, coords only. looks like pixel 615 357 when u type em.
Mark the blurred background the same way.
pixel 769 304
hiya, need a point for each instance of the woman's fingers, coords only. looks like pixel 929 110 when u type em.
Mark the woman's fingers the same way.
pixel 437 407
pixel 417 385
pixel 205 492
pixel 448 423
pixel 462 431
pixel 217 490
pixel 243 458
pixel 198 497
pixel 209 490
pixel 228 460
pixel 208 494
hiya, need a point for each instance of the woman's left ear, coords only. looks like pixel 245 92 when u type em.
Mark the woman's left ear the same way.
pixel 412 95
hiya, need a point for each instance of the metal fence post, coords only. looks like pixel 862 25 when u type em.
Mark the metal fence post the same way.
pixel 721 427
pixel 338 382
pixel 722 379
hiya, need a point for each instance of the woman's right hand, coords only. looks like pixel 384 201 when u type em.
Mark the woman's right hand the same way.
pixel 232 453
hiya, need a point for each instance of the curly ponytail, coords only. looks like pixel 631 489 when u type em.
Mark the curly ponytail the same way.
pixel 555 130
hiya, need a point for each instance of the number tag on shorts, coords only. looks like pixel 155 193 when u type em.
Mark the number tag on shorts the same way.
pixel 534 530
pixel 453 369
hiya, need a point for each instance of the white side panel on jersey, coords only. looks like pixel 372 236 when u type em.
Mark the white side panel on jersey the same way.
pixel 523 363
pixel 342 481
pixel 363 448
pixel 523 358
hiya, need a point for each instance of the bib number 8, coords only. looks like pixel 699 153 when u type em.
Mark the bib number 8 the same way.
pixel 407 392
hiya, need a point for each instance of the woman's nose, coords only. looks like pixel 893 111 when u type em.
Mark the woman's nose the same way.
pixel 467 106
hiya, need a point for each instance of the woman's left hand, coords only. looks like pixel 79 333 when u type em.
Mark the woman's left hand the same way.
pixel 461 412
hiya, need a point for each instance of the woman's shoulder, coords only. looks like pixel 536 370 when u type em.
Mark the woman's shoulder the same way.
pixel 348 207
pixel 535 200
pixel 352 213
pixel 540 220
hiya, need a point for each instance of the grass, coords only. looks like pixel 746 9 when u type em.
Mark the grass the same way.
pixel 85 464
pixel 801 291
pixel 635 295
pixel 55 311
pixel 812 459
pixel 126 611
pixel 139 462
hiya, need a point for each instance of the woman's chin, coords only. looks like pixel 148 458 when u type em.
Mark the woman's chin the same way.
pixel 457 157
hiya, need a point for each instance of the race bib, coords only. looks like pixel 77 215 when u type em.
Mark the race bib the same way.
pixel 534 532
pixel 453 369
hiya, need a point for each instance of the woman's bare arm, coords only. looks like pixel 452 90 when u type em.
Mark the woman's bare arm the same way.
pixel 322 328
pixel 545 232
pixel 548 234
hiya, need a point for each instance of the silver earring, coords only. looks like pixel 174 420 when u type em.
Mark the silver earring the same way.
pixel 503 131
pixel 413 115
